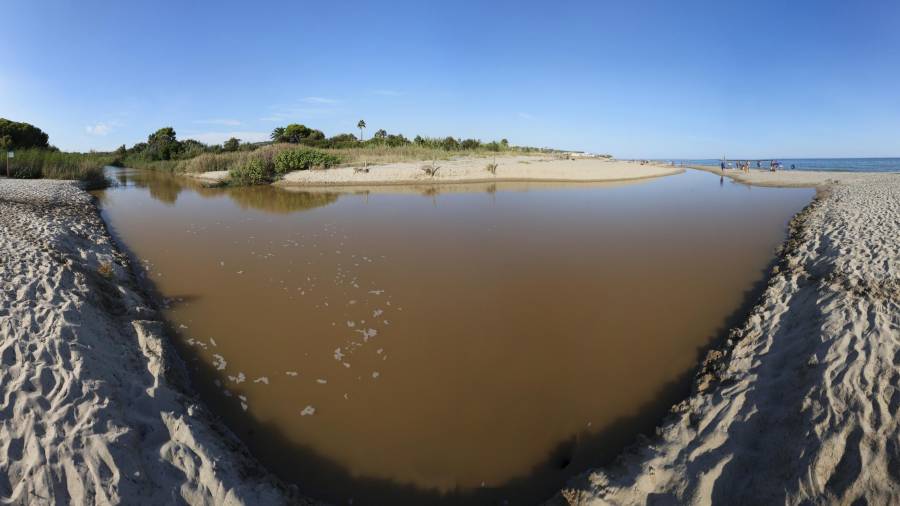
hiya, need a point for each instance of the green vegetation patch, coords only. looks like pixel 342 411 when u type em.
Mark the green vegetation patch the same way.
pixel 303 159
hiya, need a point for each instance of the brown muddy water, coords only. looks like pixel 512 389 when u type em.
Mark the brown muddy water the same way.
pixel 462 344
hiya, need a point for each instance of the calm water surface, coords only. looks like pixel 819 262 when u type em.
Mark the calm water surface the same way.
pixel 455 344
pixel 825 164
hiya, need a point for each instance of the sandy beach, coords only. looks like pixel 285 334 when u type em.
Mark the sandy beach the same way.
pixel 800 404
pixel 94 403
pixel 469 170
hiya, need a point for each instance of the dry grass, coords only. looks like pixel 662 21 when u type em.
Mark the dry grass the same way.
pixel 430 170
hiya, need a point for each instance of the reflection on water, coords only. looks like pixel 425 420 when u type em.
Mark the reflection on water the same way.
pixel 166 188
pixel 461 343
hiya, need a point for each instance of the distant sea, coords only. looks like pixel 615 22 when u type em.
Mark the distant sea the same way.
pixel 833 164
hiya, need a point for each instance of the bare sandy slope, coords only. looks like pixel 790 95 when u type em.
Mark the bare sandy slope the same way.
pixel 214 177
pixel 801 405
pixel 91 402
pixel 469 170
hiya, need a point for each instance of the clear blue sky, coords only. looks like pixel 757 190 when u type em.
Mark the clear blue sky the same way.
pixel 634 78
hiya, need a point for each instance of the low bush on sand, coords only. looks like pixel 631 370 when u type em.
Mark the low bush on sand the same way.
pixel 303 159
pixel 252 172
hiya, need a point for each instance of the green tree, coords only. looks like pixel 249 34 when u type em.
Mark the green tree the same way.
pixel 471 144
pixel 162 144
pixel 297 134
pixel 23 135
pixel 380 134
pixel 360 126
pixel 231 144
pixel 450 144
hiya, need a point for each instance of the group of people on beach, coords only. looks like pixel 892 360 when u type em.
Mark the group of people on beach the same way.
pixel 744 166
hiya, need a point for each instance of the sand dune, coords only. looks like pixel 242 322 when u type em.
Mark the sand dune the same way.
pixel 91 402
pixel 802 404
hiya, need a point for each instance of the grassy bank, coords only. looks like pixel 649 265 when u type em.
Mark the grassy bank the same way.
pixel 49 164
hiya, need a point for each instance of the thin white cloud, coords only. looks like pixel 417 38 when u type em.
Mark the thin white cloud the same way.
pixel 220 137
pixel 218 121
pixel 387 93
pixel 296 114
pixel 100 128
pixel 525 115
pixel 320 100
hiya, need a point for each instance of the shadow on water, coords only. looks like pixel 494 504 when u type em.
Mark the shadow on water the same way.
pixel 320 477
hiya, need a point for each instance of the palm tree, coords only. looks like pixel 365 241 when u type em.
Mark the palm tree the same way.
pixel 277 134
pixel 360 126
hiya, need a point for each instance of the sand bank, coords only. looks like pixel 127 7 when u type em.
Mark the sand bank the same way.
pixel 211 178
pixel 93 408
pixel 801 404
pixel 509 169
pixel 473 170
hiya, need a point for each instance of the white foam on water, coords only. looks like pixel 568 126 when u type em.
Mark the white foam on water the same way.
pixel 219 362
pixel 321 381
pixel 308 411
pixel 291 373
pixel 338 354
pixel 262 379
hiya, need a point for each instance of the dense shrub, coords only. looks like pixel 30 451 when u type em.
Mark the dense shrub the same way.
pixel 44 163
pixel 302 159
pixel 254 171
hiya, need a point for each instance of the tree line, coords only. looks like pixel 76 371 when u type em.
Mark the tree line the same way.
pixel 165 145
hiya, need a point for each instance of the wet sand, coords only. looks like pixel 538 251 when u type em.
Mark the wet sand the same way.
pixel 401 345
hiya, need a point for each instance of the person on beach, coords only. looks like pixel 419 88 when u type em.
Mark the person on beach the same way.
pixel 793 167
pixel 722 166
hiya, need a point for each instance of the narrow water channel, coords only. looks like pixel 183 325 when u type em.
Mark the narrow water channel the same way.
pixel 450 344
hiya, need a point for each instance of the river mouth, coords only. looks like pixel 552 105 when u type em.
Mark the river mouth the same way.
pixel 446 344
